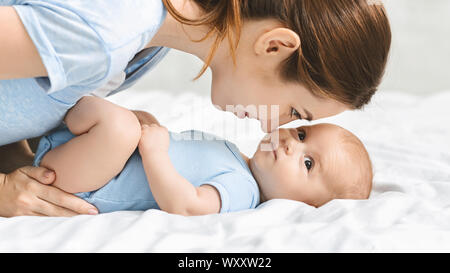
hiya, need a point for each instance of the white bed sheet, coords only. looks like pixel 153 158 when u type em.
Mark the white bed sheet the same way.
pixel 407 137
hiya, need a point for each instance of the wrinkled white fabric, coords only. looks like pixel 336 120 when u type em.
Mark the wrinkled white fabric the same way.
pixel 409 209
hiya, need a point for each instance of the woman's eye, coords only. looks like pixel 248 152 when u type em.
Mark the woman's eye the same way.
pixel 295 113
pixel 301 135
pixel 308 163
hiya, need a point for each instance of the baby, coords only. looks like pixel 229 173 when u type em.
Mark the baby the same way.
pixel 94 156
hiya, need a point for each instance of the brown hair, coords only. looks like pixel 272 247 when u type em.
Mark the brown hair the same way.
pixel 344 43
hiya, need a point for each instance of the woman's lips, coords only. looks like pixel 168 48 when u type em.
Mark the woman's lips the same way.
pixel 243 115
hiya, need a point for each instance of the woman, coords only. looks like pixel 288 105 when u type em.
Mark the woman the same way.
pixel 311 58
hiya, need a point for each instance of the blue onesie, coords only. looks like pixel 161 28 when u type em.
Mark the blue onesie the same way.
pixel 201 158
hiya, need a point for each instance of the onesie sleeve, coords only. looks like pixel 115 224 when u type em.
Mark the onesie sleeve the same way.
pixel 237 191
pixel 71 50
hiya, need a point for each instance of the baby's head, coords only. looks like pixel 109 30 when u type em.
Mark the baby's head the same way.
pixel 312 164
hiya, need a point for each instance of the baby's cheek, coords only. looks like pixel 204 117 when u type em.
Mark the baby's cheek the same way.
pixel 292 182
pixel 280 183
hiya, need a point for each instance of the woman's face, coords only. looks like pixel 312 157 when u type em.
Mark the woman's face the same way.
pixel 250 92
pixel 253 87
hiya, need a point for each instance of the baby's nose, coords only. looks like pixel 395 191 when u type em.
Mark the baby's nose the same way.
pixel 289 145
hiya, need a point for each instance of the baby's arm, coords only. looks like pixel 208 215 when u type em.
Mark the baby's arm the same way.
pixel 172 192
pixel 107 135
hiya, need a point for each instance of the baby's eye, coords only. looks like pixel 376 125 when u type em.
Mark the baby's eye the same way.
pixel 301 135
pixel 308 163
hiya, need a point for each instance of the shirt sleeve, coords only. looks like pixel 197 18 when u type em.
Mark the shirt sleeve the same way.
pixel 71 50
pixel 237 191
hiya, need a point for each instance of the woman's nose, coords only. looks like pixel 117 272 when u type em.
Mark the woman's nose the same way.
pixel 271 125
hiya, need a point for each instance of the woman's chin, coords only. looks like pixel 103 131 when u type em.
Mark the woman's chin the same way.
pixel 266 126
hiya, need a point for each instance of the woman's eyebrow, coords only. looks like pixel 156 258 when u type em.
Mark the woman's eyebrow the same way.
pixel 309 116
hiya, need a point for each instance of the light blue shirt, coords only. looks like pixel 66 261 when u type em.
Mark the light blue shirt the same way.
pixel 201 158
pixel 85 46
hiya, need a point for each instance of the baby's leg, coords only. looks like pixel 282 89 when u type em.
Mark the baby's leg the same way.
pixel 107 135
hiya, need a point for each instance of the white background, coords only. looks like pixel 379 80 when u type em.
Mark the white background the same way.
pixel 418 63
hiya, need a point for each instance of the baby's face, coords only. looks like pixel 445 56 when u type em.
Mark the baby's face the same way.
pixel 303 165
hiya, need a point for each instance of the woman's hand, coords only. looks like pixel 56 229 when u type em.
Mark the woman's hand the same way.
pixel 154 140
pixel 26 191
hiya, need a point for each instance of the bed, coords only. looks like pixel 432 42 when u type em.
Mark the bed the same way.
pixel 409 209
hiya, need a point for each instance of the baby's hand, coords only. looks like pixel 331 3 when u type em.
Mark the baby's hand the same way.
pixel 154 139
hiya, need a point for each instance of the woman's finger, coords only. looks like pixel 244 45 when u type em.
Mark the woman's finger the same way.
pixel 56 197
pixel 64 200
pixel 32 213
pixel 40 174
pixel 45 208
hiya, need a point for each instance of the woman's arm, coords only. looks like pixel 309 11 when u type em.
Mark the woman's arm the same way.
pixel 19 56
pixel 172 192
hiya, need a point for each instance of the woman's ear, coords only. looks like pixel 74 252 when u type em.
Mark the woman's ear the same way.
pixel 279 42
